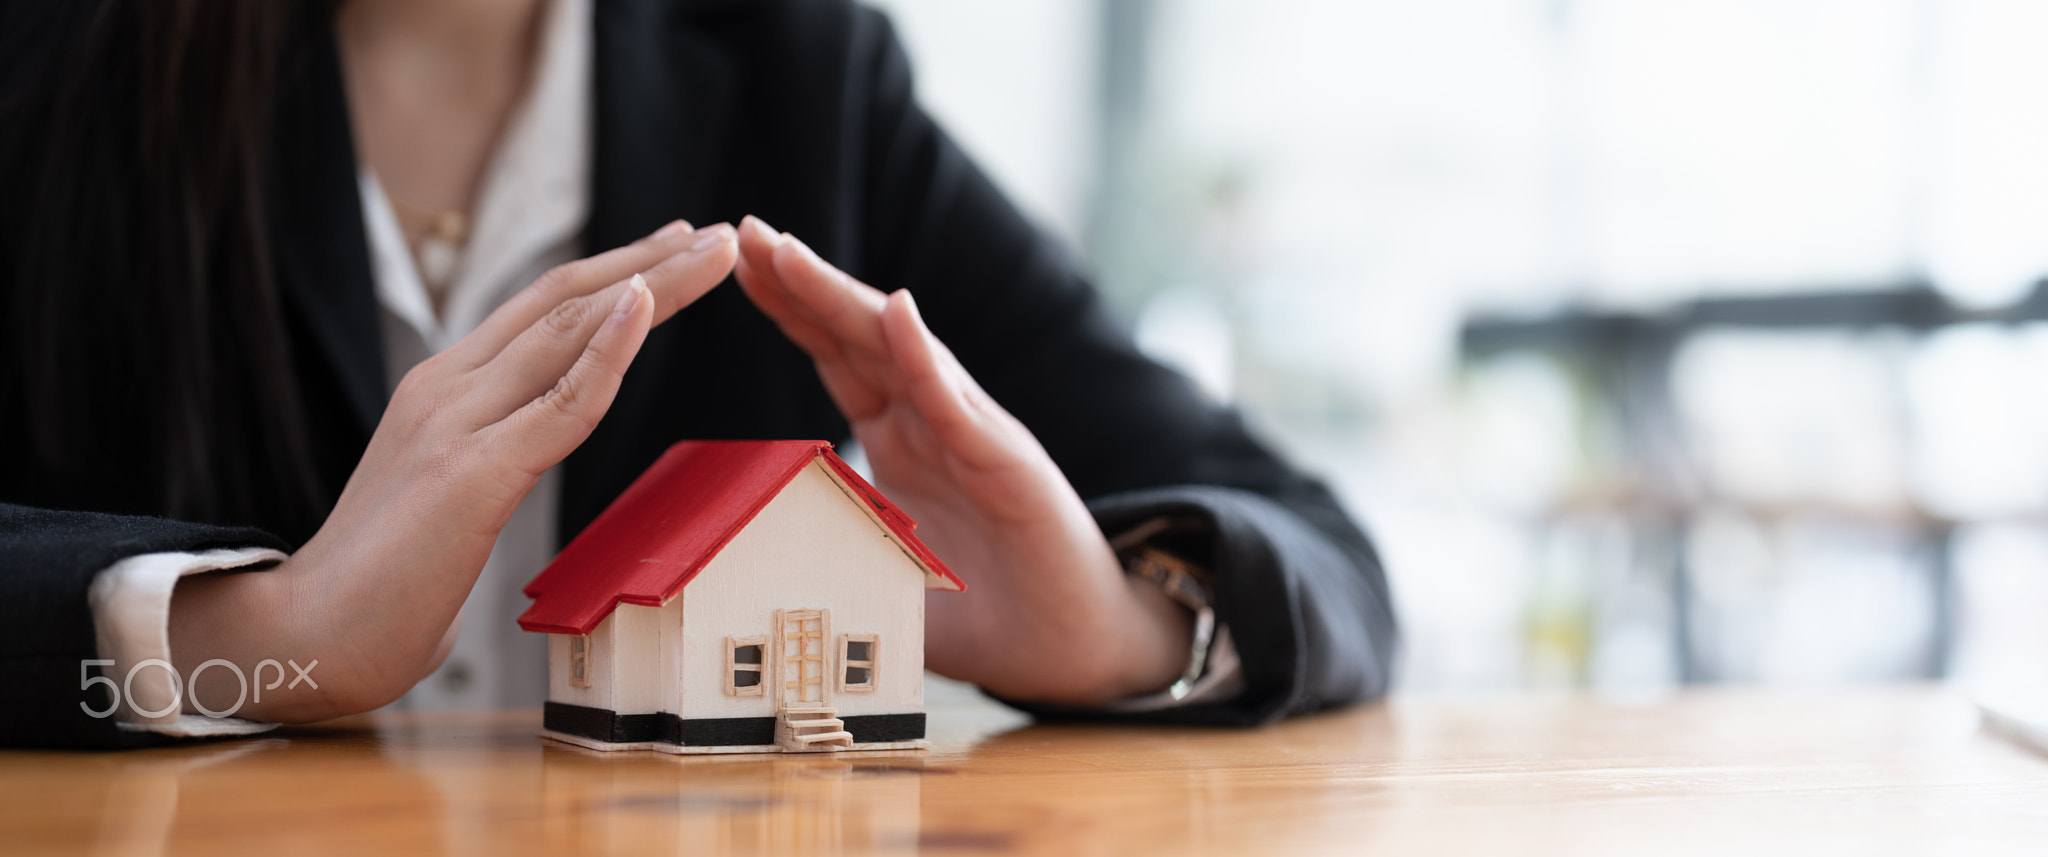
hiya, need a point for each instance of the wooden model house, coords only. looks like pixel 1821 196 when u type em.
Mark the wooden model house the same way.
pixel 740 597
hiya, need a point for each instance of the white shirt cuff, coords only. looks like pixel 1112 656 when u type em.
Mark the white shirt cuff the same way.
pixel 131 615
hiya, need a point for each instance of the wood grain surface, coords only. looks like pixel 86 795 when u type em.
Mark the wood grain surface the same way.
pixel 1904 770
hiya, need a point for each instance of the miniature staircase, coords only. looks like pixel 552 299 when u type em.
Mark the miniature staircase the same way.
pixel 811 729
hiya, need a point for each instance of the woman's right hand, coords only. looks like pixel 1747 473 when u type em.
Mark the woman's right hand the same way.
pixel 466 435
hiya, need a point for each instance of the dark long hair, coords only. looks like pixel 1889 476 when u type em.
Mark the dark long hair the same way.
pixel 146 360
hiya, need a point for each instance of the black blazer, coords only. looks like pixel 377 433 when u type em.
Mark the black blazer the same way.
pixel 801 112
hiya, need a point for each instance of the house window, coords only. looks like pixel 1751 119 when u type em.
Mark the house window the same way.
pixel 743 660
pixel 579 661
pixel 857 658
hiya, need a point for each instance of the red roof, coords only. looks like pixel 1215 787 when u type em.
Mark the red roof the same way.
pixel 652 540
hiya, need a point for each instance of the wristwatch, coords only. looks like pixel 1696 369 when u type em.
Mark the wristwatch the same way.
pixel 1182 582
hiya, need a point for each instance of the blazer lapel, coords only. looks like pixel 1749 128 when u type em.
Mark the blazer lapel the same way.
pixel 323 254
pixel 664 97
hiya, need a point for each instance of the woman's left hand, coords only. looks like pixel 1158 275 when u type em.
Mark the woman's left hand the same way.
pixel 1048 614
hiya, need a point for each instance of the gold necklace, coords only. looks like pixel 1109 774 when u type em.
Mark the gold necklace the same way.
pixel 437 239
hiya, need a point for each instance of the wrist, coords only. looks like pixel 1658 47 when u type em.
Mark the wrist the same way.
pixel 1159 642
pixel 372 646
pixel 245 618
pixel 275 626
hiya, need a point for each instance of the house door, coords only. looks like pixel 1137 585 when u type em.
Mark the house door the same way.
pixel 802 638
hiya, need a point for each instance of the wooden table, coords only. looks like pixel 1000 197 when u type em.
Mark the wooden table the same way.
pixel 1870 771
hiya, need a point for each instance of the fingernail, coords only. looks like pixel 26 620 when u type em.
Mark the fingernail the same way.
pixel 673 227
pixel 917 316
pixel 910 301
pixel 630 301
pixel 761 229
pixel 803 249
pixel 709 236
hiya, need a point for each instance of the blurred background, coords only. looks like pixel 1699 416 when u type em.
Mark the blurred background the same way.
pixel 1656 341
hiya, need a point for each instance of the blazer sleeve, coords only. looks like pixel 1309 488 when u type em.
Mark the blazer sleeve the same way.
pixel 1297 582
pixel 48 560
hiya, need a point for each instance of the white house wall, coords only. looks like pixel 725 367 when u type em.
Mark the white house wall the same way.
pixel 637 685
pixel 632 661
pixel 667 682
pixel 599 693
pixel 811 547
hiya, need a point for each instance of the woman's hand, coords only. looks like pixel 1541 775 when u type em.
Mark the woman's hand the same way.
pixel 1048 613
pixel 374 593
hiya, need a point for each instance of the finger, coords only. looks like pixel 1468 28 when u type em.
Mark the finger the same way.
pixel 565 281
pixel 855 394
pixel 708 250
pixel 857 397
pixel 682 278
pixel 821 307
pixel 536 359
pixel 847 308
pixel 963 418
pixel 756 274
pixel 847 311
pixel 758 241
pixel 545 430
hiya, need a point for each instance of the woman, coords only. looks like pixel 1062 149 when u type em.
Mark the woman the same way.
pixel 257 258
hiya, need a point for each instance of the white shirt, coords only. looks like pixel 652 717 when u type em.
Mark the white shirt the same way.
pixel 530 214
